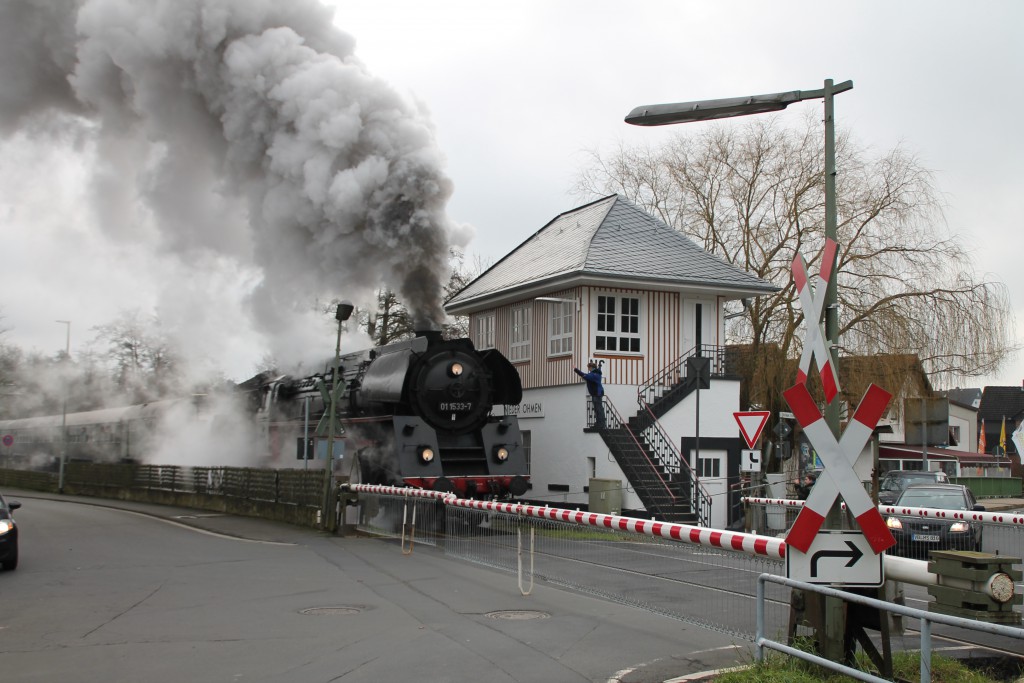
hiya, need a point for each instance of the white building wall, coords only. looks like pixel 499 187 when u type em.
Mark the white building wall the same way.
pixel 717 406
pixel 965 420
pixel 560 450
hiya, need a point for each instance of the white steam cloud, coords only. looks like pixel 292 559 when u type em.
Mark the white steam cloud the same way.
pixel 240 135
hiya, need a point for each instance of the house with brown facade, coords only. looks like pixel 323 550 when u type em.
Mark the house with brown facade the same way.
pixel 610 283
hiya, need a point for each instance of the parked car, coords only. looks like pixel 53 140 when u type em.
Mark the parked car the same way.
pixel 8 534
pixel 894 481
pixel 916 535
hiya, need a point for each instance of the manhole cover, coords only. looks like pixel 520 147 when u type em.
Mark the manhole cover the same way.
pixel 517 615
pixel 333 611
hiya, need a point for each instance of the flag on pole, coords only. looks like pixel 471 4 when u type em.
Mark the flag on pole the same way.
pixel 1002 438
pixel 1018 438
pixel 981 437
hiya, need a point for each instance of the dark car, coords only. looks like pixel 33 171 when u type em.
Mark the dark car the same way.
pixel 8 534
pixel 916 535
pixel 894 481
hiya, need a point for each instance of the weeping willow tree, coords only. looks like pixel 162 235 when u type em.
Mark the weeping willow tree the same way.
pixel 754 194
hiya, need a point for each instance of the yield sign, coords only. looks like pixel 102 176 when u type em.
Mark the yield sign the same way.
pixel 751 424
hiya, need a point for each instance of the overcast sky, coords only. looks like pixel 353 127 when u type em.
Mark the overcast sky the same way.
pixel 516 91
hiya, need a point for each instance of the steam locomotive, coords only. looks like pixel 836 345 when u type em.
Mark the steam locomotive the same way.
pixel 413 413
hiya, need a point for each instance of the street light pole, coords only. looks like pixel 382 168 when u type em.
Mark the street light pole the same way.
pixel 706 110
pixel 832 410
pixel 64 410
pixel 342 314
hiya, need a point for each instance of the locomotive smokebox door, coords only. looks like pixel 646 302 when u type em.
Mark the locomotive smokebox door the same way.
pixel 503 445
pixel 416 445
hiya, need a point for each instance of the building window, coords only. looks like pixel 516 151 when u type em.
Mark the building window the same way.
pixel 519 344
pixel 485 331
pixel 592 466
pixel 709 468
pixel 560 327
pixel 618 324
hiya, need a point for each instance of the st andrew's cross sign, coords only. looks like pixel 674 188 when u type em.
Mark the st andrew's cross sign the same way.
pixel 838 477
pixel 812 300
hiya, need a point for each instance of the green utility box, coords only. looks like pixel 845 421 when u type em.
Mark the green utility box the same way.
pixel 977 586
pixel 606 496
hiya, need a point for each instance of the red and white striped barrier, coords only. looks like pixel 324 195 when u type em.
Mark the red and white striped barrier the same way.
pixel 896 568
pixel 1012 519
pixel 751 544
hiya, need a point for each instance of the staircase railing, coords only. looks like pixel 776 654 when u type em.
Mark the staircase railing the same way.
pixel 663 446
pixel 666 451
pixel 675 372
pixel 614 421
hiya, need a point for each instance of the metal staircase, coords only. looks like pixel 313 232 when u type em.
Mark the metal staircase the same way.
pixel 665 483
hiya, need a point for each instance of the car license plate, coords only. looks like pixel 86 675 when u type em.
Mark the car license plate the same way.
pixel 933 538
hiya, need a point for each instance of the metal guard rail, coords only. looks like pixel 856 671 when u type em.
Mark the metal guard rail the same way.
pixel 927 618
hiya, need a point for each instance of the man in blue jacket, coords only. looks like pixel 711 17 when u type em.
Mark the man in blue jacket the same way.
pixel 596 391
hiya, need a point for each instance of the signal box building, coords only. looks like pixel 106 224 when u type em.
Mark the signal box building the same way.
pixel 610 283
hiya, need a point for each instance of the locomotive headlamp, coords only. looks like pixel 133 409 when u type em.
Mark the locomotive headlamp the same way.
pixel 455 369
pixel 501 453
pixel 426 454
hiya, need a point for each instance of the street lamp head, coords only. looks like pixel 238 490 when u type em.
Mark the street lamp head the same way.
pixel 344 311
pixel 707 110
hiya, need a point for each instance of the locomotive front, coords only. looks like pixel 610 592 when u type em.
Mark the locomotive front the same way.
pixel 443 437
pixel 450 387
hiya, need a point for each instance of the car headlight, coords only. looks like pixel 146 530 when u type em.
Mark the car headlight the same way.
pixel 893 523
pixel 5 526
pixel 959 527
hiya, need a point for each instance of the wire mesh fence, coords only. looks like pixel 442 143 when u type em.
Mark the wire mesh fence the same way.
pixel 711 587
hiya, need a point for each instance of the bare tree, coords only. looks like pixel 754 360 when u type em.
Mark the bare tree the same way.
pixel 461 274
pixel 753 194
pixel 141 358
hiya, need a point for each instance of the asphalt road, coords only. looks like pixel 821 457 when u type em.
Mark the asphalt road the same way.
pixel 106 594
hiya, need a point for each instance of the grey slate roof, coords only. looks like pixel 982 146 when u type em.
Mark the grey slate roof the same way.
pixel 1000 402
pixel 610 238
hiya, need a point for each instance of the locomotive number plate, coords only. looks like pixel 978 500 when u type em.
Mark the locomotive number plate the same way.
pixel 456 406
